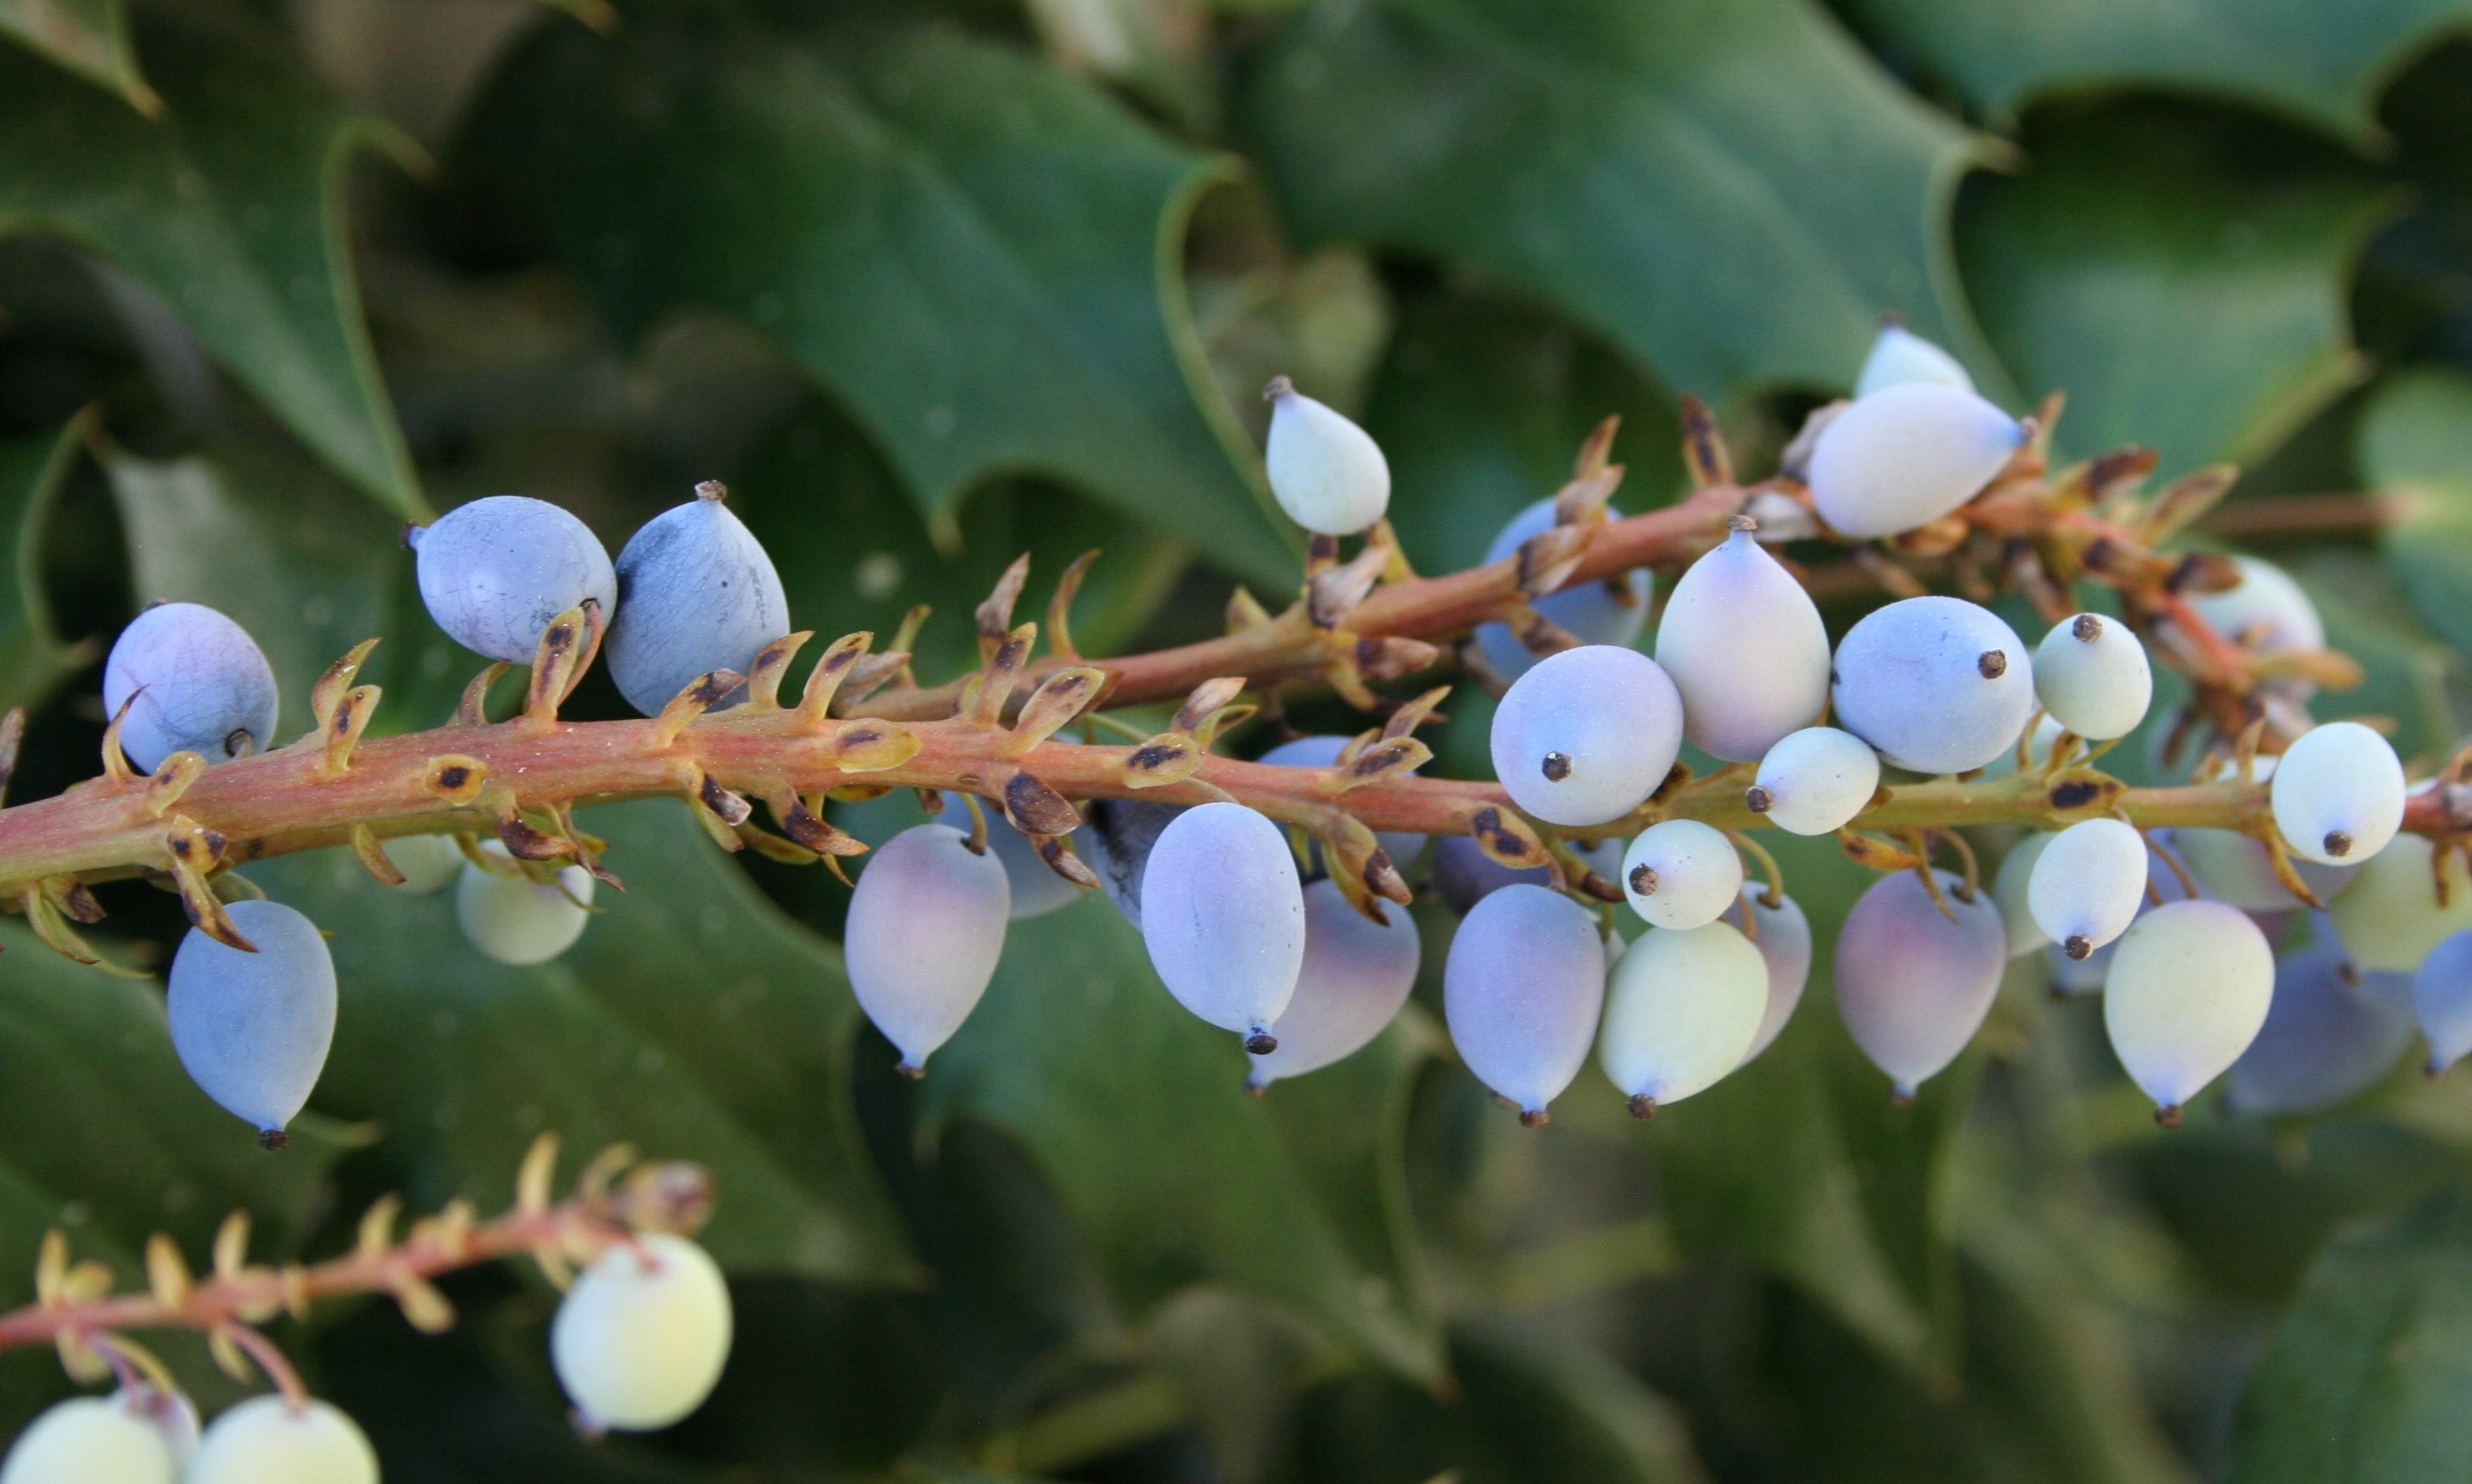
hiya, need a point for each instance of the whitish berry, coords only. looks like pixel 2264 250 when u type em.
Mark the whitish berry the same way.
pixel 695 594
pixel 2093 678
pixel 199 685
pixel 2338 793
pixel 1743 645
pixel 2266 610
pixel 1900 355
pixel 92 1439
pixel 1328 473
pixel 1681 874
pixel 1037 889
pixel 1814 780
pixel 2008 891
pixel 2326 1038
pixel 264 1440
pixel 640 1339
pixel 2441 996
pixel 430 863
pixel 1611 612
pixel 2390 917
pixel 1400 845
pixel 1116 836
pixel 925 928
pixel 1356 976
pixel 517 921
pixel 1681 1011
pixel 498 571
pixel 254 1029
pixel 1914 982
pixel 1223 913
pixel 1937 685
pixel 2087 885
pixel 1521 990
pixel 1907 455
pixel 2188 989
pixel 1784 943
pixel 1587 735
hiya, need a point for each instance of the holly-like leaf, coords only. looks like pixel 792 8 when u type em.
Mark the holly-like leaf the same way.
pixel 2180 273
pixel 1731 194
pixel 2323 63
pixel 229 211
pixel 974 254
pixel 89 38
pixel 34 660
pixel 691 1020
pixel 2415 448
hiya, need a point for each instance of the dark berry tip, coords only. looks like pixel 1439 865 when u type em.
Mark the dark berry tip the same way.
pixel 2087 628
pixel 1277 388
pixel 1533 1117
pixel 1992 664
pixel 2169 1116
pixel 1261 1042
pixel 1643 879
pixel 2078 946
pixel 2337 842
pixel 1557 766
pixel 1758 800
pixel 914 1074
pixel 1643 1106
pixel 271 1139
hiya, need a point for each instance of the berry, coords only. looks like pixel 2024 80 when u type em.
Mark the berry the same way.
pixel 925 928
pixel 199 685
pixel 430 863
pixel 1224 914
pixel 2325 1039
pixel 640 1339
pixel 1116 836
pixel 1900 355
pixel 1402 846
pixel 2338 793
pixel 1814 780
pixel 92 1439
pixel 1587 735
pixel 1610 612
pixel 517 920
pixel 2237 868
pixel 1683 1009
pixel 264 1440
pixel 1784 943
pixel 2266 610
pixel 1914 982
pixel 695 594
pixel 2008 891
pixel 2389 918
pixel 2441 996
pixel 498 571
pixel 1356 976
pixel 1037 889
pixel 1328 473
pixel 1907 455
pixel 254 1029
pixel 2087 885
pixel 1744 647
pixel 2092 675
pixel 1521 990
pixel 1681 874
pixel 2188 989
pixel 1937 685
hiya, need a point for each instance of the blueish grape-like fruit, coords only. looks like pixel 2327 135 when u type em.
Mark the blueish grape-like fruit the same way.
pixel 1224 914
pixel 1037 889
pixel 1899 356
pixel 1587 735
pixel 1328 473
pixel 496 572
pixel 1521 990
pixel 430 863
pixel 1907 455
pixel 254 1029
pixel 1681 1011
pixel 2338 793
pixel 2441 997
pixel 90 1439
pixel 1464 875
pixel 1612 611
pixel 264 1441
pixel 1784 942
pixel 2008 893
pixel 2189 987
pixel 2266 610
pixel 200 682
pixel 1680 873
pixel 2087 885
pixel 1356 975
pixel 1914 984
pixel 2325 1039
pixel 1814 780
pixel 521 922
pixel 2092 675
pixel 1937 685
pixel 695 594
pixel 1402 846
pixel 1115 840
pixel 2388 918
pixel 925 928
pixel 1744 647
pixel 640 1339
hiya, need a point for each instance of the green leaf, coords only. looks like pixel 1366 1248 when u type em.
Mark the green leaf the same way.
pixel 2323 64
pixel 1136 1112
pixel 89 38
pixel 2371 1376
pixel 974 254
pixel 2415 447
pixel 1730 193
pixel 34 660
pixel 230 212
pixel 691 1020
pixel 2180 273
